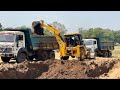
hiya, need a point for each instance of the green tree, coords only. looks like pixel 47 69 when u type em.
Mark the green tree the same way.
pixel 59 26
pixel 117 36
pixel 22 27
pixel 56 25
pixel 104 34
pixel 1 27
pixel 47 33
pixel 82 31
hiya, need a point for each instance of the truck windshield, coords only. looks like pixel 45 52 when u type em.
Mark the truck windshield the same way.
pixel 6 37
pixel 88 42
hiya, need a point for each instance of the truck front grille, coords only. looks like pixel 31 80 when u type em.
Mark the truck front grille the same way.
pixel 5 50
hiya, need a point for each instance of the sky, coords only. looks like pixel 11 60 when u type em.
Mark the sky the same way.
pixel 71 19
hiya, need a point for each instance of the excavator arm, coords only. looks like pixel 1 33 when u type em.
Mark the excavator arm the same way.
pixel 59 38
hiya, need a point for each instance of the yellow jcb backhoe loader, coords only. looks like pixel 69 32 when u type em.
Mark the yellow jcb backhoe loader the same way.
pixel 69 44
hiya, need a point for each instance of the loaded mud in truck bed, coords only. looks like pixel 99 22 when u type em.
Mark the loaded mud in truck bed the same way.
pixel 22 44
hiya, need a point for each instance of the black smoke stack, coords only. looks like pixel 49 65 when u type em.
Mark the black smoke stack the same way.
pixel 37 28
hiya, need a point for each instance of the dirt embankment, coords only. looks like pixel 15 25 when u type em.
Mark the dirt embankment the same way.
pixel 57 69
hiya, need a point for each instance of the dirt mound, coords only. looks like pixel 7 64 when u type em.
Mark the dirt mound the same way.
pixel 77 69
pixel 114 73
pixel 57 69
pixel 66 70
pixel 25 70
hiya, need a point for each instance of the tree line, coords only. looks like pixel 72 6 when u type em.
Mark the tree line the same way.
pixel 105 34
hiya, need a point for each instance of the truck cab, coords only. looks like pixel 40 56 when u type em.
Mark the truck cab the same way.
pixel 99 47
pixel 22 44
pixel 10 43
pixel 91 45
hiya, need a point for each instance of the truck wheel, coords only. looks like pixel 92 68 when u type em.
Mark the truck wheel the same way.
pixel 106 54
pixel 52 55
pixel 5 59
pixel 21 57
pixel 88 55
pixel 82 55
pixel 110 54
pixel 30 58
pixel 65 58
pixel 42 56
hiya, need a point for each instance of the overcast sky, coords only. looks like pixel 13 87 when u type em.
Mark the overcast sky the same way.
pixel 71 19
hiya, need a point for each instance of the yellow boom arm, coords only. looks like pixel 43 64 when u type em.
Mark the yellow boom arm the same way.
pixel 60 40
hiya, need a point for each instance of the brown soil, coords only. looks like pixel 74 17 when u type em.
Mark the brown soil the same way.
pixel 57 69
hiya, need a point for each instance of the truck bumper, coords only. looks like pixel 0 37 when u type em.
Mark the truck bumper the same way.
pixel 92 55
pixel 6 55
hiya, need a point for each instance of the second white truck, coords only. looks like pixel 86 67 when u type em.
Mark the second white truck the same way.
pixel 98 47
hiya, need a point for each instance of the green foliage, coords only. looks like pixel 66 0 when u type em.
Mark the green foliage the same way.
pixel 0 26
pixel 117 36
pixel 48 33
pixel 22 27
pixel 59 26
pixel 105 34
pixel 56 25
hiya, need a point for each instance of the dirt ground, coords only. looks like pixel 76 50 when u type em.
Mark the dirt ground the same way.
pixel 101 68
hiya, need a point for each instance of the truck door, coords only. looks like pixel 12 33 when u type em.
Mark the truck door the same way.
pixel 20 41
pixel 95 44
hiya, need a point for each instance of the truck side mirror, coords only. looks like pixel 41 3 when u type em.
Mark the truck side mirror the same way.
pixel 83 42
pixel 17 39
pixel 94 42
pixel 20 37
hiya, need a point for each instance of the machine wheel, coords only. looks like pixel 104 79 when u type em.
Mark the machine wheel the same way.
pixel 52 55
pixel 21 57
pixel 5 59
pixel 82 55
pixel 106 54
pixel 30 58
pixel 42 56
pixel 110 54
pixel 65 57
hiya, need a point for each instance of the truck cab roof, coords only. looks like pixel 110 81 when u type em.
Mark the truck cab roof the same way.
pixel 10 32
pixel 90 39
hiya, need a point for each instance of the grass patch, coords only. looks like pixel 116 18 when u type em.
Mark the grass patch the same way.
pixel 116 51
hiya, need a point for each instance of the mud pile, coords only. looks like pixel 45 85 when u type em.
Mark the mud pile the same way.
pixel 25 70
pixel 57 69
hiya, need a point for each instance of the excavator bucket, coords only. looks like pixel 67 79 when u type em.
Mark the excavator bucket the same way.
pixel 37 28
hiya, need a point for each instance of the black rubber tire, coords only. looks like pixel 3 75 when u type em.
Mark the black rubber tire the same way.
pixel 65 58
pixel 30 58
pixel 5 59
pixel 52 55
pixel 42 56
pixel 110 54
pixel 21 57
pixel 81 58
pixel 106 54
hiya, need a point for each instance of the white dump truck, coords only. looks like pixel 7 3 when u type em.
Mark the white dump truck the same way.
pixel 98 47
